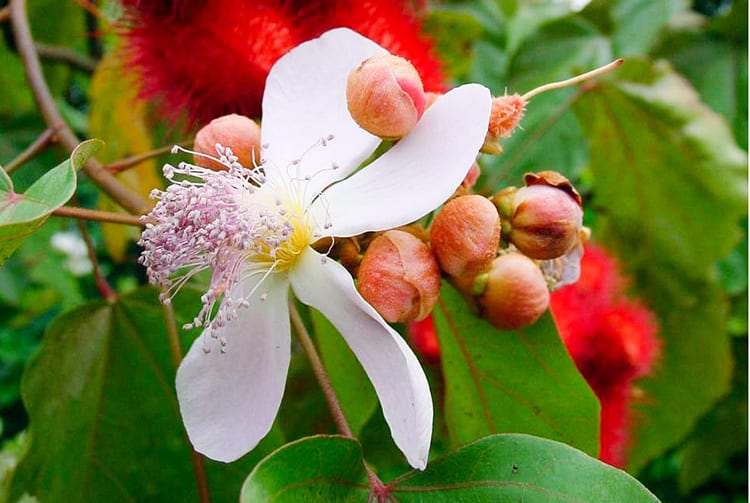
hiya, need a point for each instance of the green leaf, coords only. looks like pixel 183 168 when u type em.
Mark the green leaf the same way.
pixel 453 32
pixel 509 467
pixel 670 190
pixel 549 136
pixel 353 388
pixel 717 67
pixel 638 23
pixel 22 214
pixel 104 420
pixel 515 467
pixel 84 151
pixel 720 434
pixel 321 468
pixel 522 381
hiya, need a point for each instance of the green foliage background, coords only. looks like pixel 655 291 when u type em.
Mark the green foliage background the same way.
pixel 658 150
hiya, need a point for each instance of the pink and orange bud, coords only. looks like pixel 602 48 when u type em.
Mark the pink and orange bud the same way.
pixel 237 132
pixel 465 235
pixel 545 221
pixel 399 277
pixel 507 112
pixel 385 96
pixel 515 292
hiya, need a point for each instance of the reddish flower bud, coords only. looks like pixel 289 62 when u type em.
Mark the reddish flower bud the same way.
pixel 237 132
pixel 385 96
pixel 399 277
pixel 515 294
pixel 507 112
pixel 545 221
pixel 465 235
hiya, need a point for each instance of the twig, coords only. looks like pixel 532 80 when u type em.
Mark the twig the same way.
pixel 65 55
pixel 128 199
pixel 129 162
pixel 102 285
pixel 572 81
pixel 98 216
pixel 176 350
pixel 379 489
pixel 36 147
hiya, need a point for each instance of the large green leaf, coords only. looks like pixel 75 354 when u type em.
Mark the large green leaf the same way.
pixel 497 468
pixel 717 66
pixel 720 434
pixel 638 23
pixel 522 381
pixel 104 421
pixel 353 388
pixel 22 214
pixel 670 189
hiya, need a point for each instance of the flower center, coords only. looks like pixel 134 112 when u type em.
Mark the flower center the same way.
pixel 287 230
pixel 239 223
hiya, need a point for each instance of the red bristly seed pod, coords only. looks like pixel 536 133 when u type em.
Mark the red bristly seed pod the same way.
pixel 465 235
pixel 399 277
pixel 385 96
pixel 515 292
pixel 240 134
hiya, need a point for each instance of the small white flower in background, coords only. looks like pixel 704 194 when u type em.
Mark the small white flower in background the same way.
pixel 77 257
pixel 253 227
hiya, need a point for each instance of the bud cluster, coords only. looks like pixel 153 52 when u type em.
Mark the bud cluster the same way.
pixel 504 253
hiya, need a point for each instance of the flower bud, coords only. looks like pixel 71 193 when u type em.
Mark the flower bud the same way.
pixel 385 96
pixel 465 235
pixel 507 112
pixel 545 221
pixel 515 293
pixel 399 277
pixel 237 132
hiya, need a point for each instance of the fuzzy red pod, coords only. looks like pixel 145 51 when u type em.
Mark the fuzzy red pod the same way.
pixel 612 339
pixel 423 337
pixel 212 58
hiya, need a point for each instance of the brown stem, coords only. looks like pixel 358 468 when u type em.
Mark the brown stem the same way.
pixel 102 285
pixel 379 489
pixel 128 199
pixel 65 55
pixel 98 216
pixel 129 162
pixel 36 147
pixel 175 349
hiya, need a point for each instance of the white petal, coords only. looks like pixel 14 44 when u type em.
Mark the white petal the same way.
pixel 229 401
pixel 305 100
pixel 399 380
pixel 418 174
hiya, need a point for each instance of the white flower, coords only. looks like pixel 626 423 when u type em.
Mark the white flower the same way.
pixel 253 229
pixel 74 248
